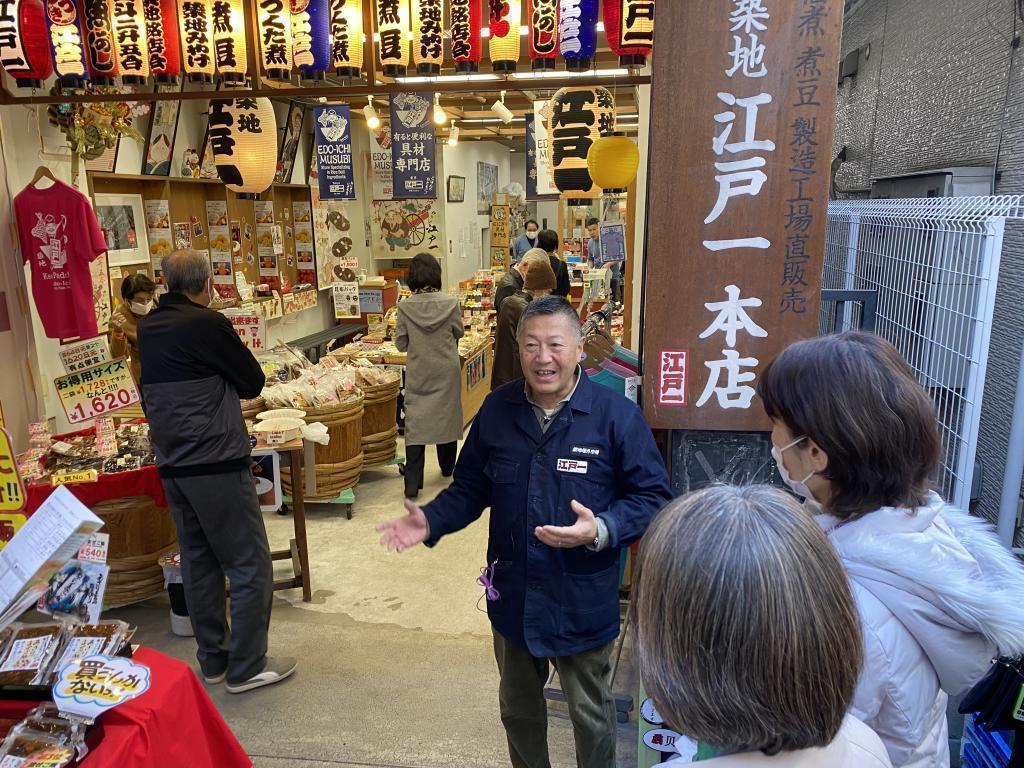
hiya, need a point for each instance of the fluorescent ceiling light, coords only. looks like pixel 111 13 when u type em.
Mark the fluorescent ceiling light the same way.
pixel 445 78
pixel 525 30
pixel 549 74
pixel 491 120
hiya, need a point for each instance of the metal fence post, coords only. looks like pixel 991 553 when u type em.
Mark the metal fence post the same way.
pixel 851 269
pixel 1007 524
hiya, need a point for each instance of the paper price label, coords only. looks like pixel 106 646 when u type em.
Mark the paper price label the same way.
pixel 95 548
pixel 97 391
pixel 67 478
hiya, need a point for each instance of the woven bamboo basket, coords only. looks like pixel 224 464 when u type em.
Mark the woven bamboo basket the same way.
pixel 251 407
pixel 340 462
pixel 380 426
pixel 140 532
pixel 331 479
pixel 380 448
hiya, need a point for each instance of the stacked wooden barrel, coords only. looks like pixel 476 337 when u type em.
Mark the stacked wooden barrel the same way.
pixel 340 462
pixel 380 425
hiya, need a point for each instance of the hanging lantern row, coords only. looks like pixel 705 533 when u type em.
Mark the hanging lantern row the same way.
pixel 243 134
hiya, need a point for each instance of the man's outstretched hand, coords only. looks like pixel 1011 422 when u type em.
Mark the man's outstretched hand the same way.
pixel 406 531
pixel 579 534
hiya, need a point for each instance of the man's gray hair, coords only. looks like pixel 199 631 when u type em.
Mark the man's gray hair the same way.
pixel 186 271
pixel 547 306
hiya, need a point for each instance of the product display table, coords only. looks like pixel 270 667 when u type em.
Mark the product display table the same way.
pixel 297 550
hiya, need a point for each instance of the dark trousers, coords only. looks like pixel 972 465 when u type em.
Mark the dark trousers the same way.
pixel 587 683
pixel 416 459
pixel 221 533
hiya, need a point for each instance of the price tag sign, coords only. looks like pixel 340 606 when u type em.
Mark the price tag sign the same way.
pixel 97 391
pixel 96 684
pixel 68 478
pixel 95 548
pixel 78 357
pixel 12 490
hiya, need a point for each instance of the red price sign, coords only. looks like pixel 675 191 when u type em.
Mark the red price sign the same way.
pixel 97 391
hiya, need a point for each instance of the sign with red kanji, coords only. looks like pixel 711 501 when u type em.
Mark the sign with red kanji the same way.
pixel 97 391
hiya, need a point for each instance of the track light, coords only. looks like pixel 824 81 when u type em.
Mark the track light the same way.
pixel 440 118
pixel 372 121
pixel 453 135
pixel 503 112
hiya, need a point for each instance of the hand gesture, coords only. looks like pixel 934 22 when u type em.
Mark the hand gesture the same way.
pixel 118 320
pixel 579 534
pixel 404 532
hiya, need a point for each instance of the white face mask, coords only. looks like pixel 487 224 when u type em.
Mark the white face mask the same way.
pixel 141 309
pixel 799 487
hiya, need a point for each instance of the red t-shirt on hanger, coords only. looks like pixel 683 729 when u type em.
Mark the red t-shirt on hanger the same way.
pixel 60 236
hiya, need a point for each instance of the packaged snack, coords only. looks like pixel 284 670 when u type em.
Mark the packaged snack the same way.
pixel 26 747
pixel 88 639
pixel 28 654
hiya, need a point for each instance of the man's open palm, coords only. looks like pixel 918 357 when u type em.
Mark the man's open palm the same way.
pixel 406 531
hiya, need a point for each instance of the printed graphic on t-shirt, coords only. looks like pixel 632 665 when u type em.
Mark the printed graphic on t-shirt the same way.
pixel 53 252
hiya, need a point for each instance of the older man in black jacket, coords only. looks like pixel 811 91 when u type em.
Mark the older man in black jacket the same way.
pixel 194 369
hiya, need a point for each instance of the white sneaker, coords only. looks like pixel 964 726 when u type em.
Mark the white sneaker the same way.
pixel 275 671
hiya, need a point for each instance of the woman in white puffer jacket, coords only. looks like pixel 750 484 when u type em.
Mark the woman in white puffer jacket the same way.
pixel 855 435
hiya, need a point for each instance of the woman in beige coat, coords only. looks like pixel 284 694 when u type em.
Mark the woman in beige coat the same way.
pixel 429 327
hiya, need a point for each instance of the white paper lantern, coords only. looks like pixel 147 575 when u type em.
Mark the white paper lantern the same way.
pixel 243 135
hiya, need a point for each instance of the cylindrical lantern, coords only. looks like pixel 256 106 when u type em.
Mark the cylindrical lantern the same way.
pixel 100 58
pixel 466 21
pixel 613 162
pixel 130 42
pixel 229 46
pixel 311 38
pixel 504 20
pixel 577 33
pixel 196 17
pixel 629 27
pixel 393 28
pixel 577 118
pixel 24 42
pixel 347 37
pixel 67 44
pixel 243 136
pixel 275 33
pixel 164 43
pixel 428 36
pixel 542 19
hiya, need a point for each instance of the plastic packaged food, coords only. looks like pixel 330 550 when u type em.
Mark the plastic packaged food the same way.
pixel 83 640
pixel 27 657
pixel 25 747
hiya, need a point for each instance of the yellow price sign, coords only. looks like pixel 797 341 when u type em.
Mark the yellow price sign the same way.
pixel 10 524
pixel 12 490
pixel 67 478
pixel 97 391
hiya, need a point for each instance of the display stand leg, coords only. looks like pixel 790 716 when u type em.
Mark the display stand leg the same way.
pixel 299 517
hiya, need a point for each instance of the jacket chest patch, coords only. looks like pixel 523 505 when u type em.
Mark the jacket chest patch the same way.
pixel 572 466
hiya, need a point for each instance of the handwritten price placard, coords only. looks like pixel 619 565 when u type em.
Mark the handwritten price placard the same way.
pixel 97 391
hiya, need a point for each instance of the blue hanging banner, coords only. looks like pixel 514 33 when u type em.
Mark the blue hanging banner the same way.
pixel 334 152
pixel 413 162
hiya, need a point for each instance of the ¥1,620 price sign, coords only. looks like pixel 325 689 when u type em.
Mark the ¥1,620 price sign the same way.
pixel 97 391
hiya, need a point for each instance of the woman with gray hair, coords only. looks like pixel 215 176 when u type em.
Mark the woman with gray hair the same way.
pixel 747 636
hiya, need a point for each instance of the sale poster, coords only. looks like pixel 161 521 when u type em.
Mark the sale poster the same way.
pixel 86 354
pixel 97 391
pixel 346 300
pixel 250 326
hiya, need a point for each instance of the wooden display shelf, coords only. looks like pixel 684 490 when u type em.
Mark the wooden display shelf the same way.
pixel 476 380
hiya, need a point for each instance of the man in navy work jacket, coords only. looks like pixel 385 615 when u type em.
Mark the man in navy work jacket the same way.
pixel 572 475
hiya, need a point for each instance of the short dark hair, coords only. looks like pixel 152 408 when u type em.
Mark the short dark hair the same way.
pixel 592 221
pixel 186 271
pixel 140 282
pixel 855 396
pixel 529 222
pixel 547 306
pixel 424 272
pixel 548 240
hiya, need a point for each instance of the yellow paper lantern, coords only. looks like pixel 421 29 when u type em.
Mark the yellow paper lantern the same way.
pixel 428 36
pixel 613 162
pixel 347 37
pixel 128 20
pixel 196 20
pixel 231 51
pixel 503 48
pixel 577 118
pixel 275 33
pixel 243 135
pixel 393 27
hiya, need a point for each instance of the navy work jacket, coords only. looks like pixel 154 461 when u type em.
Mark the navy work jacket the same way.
pixel 599 451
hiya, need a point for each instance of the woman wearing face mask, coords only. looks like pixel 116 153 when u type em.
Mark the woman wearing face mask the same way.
pixel 137 293
pixel 855 435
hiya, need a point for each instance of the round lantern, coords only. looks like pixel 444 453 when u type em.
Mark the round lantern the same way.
pixel 505 18
pixel 24 47
pixel 542 19
pixel 129 24
pixel 196 19
pixel 467 45
pixel 577 33
pixel 428 36
pixel 230 49
pixel 99 41
pixel 347 37
pixel 275 33
pixel 393 28
pixel 311 38
pixel 66 42
pixel 243 135
pixel 613 162
pixel 577 118
pixel 162 35
pixel 629 27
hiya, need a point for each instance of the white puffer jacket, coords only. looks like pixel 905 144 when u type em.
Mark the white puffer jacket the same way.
pixel 939 596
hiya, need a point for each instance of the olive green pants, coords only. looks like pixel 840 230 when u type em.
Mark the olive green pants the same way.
pixel 587 683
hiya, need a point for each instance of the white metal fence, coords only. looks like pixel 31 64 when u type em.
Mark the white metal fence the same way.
pixel 934 263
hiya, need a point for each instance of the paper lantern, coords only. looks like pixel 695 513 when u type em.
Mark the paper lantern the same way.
pixel 196 18
pixel 577 33
pixel 542 19
pixel 67 46
pixel 130 42
pixel 466 21
pixel 311 38
pixel 275 33
pixel 230 50
pixel 100 57
pixel 164 43
pixel 503 47
pixel 393 28
pixel 613 162
pixel 24 42
pixel 428 36
pixel 243 136
pixel 629 27
pixel 347 37
pixel 577 117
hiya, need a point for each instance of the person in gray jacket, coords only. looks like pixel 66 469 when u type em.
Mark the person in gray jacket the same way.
pixel 194 369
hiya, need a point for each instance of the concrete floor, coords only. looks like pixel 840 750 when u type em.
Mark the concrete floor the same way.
pixel 396 666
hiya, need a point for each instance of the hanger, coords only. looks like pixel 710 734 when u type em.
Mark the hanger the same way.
pixel 42 172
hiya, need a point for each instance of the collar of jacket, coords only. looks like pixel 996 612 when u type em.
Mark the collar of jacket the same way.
pixel 581 400
pixel 178 298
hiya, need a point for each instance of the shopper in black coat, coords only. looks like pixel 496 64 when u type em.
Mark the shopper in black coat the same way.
pixel 548 240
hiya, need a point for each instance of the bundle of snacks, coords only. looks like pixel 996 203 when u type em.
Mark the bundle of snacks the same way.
pixel 107 637
pixel 25 746
pixel 27 657
pixel 316 387
pixel 78 453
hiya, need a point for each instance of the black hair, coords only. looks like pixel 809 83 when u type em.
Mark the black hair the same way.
pixel 424 272
pixel 140 282
pixel 548 240
pixel 546 306
pixel 592 221
pixel 531 221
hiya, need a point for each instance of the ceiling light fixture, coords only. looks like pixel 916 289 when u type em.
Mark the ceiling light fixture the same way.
pixel 453 135
pixel 503 112
pixel 445 78
pixel 372 120
pixel 561 73
pixel 440 117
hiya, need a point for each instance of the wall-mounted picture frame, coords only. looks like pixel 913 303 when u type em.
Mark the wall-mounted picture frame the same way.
pixel 486 186
pixel 163 124
pixel 456 189
pixel 290 141
pixel 106 162
pixel 123 221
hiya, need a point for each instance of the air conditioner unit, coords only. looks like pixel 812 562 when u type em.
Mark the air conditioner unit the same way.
pixel 956 181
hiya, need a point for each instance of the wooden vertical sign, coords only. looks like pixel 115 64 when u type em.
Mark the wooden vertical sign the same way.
pixel 742 115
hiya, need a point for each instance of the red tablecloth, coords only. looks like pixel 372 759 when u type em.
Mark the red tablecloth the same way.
pixel 144 481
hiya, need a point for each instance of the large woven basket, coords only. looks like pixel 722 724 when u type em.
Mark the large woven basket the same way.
pixel 140 532
pixel 251 407
pixel 331 479
pixel 380 426
pixel 340 462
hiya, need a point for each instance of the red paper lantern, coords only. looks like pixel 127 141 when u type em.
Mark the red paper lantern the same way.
pixel 164 41
pixel 466 19
pixel 99 41
pixel 542 19
pixel 24 42
pixel 629 27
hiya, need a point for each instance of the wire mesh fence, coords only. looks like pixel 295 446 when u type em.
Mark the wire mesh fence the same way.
pixel 934 263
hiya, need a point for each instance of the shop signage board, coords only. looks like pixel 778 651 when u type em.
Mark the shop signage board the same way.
pixel 250 326
pixel 12 490
pixel 371 300
pixel 538 156
pixel 346 297
pixel 413 167
pixel 757 87
pixel 97 391
pixel 380 160
pixel 333 127
pixel 613 244
pixel 78 357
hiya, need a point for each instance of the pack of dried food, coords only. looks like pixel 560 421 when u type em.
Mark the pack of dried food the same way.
pixel 28 655
pixel 26 747
pixel 71 729
pixel 107 637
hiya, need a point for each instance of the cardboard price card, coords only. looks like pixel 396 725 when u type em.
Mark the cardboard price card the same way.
pixel 85 355
pixel 97 391
pixel 250 327
pixel 12 490
pixel 96 684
